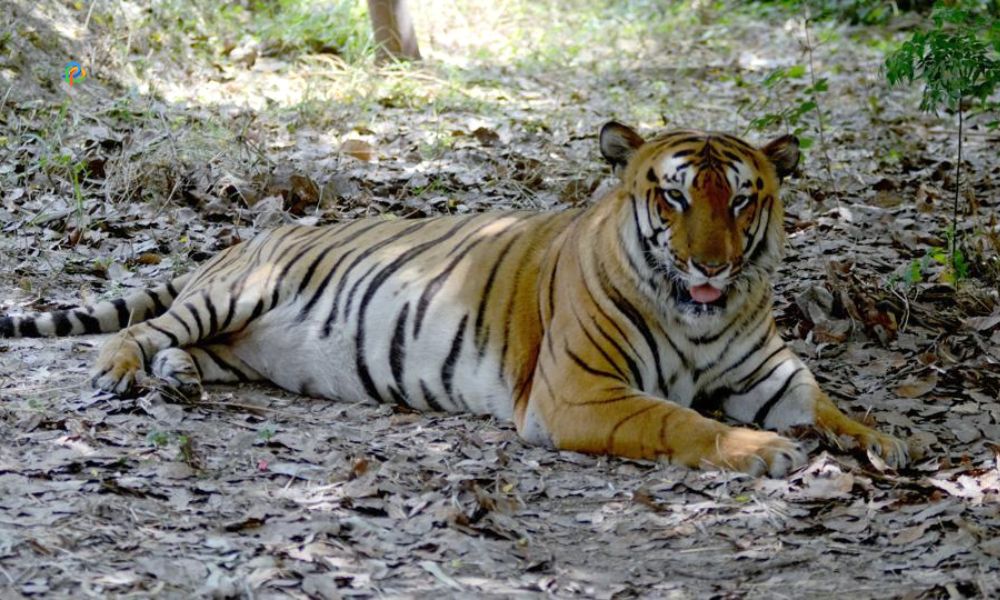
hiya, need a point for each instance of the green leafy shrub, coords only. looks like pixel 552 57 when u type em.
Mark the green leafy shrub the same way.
pixel 958 61
pixel 864 12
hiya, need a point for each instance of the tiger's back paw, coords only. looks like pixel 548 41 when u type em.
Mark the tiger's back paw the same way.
pixel 118 365
pixel 758 452
pixel 890 449
pixel 176 368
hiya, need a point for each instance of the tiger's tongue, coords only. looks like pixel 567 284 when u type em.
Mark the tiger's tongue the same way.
pixel 704 293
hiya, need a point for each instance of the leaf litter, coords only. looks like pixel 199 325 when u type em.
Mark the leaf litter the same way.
pixel 254 492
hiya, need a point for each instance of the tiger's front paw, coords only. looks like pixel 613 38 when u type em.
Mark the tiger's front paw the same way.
pixel 891 449
pixel 757 452
pixel 116 368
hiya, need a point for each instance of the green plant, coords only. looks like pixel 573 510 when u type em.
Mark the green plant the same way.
pixel 158 438
pixel 786 103
pixel 956 266
pixel 957 61
pixel 266 432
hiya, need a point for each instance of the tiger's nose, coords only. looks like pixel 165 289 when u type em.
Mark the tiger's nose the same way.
pixel 710 269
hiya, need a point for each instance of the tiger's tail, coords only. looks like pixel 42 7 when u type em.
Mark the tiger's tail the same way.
pixel 104 317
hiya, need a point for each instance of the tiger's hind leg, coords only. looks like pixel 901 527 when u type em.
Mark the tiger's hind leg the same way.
pixel 189 323
pixel 186 369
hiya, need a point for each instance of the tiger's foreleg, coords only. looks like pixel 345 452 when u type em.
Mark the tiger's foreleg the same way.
pixel 781 393
pixel 624 422
pixel 830 419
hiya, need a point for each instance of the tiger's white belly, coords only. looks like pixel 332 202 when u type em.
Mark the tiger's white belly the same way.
pixel 294 355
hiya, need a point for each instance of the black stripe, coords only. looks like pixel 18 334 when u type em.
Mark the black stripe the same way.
pixel 645 249
pixel 322 286
pixel 197 367
pixel 435 285
pixel 479 335
pixel 759 248
pixel 173 314
pixel 90 324
pixel 508 318
pixel 350 295
pixel 121 307
pixel 429 398
pixel 732 157
pixel 636 376
pixel 157 303
pixel 171 289
pixel 60 319
pixel 735 141
pixel 761 364
pixel 767 406
pixel 311 269
pixel 762 379
pixel 611 400
pixel 6 327
pixel 448 368
pixel 145 354
pixel 635 317
pixel 222 364
pixel 173 338
pixel 540 369
pixel 397 396
pixel 397 347
pixel 28 327
pixel 690 139
pixel 231 311
pixel 614 322
pixel 197 320
pixel 213 318
pixel 310 245
pixel 354 263
pixel 763 341
pixel 583 365
pixel 552 282
pixel 258 310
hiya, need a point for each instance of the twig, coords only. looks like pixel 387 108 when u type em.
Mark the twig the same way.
pixel 6 95
pixel 819 112
pixel 958 188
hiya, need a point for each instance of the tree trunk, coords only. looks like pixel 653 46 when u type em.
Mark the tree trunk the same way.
pixel 393 30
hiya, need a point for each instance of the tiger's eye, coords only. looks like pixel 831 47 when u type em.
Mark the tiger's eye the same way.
pixel 739 202
pixel 678 198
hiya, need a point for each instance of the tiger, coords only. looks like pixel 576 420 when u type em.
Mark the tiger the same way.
pixel 621 327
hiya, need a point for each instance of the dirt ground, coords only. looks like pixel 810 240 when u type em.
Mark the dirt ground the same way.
pixel 184 139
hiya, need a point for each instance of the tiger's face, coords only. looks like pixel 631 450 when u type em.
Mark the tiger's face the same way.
pixel 705 208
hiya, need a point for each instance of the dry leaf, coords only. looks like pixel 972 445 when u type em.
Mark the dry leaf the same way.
pixel 358 149
pixel 916 387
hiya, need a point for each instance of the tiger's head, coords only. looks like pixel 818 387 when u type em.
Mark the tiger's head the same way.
pixel 705 208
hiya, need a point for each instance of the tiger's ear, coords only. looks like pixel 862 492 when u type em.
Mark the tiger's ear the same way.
pixel 618 143
pixel 783 153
